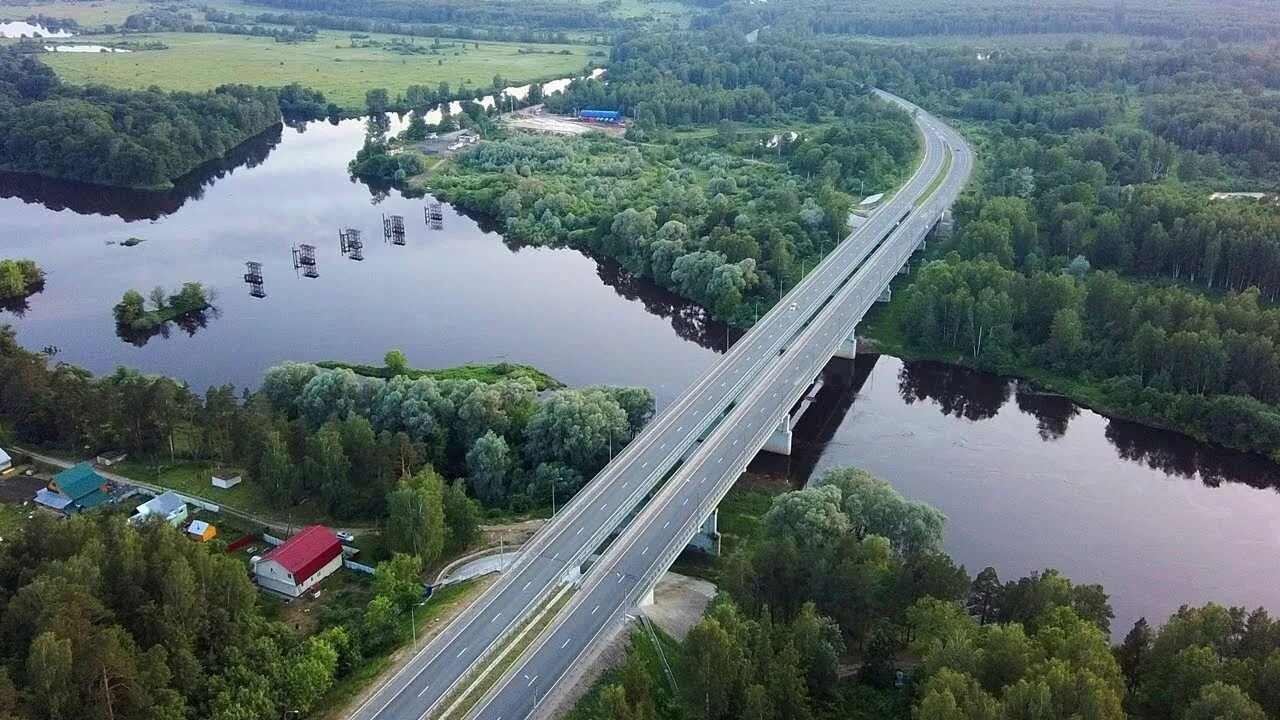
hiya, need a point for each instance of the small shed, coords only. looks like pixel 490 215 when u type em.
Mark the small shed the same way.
pixel 201 530
pixel 226 480
pixel 6 462
pixel 111 457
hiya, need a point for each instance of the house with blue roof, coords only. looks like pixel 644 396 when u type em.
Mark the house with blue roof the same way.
pixel 166 506
pixel 75 489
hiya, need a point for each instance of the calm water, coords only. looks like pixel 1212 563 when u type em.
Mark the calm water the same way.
pixel 1031 481
pixel 1027 481
pixel 19 29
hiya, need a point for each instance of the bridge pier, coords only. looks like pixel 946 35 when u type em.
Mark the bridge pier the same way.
pixel 708 537
pixel 885 295
pixel 647 600
pixel 848 347
pixel 780 442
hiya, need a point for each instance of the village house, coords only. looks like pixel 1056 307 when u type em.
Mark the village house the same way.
pixel 301 562
pixel 166 506
pixel 74 489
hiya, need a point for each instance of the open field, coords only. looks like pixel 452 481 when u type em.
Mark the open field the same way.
pixel 87 14
pixel 342 73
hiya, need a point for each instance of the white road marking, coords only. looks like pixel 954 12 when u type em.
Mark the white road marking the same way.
pixel 461 651
pixel 645 550
pixel 566 643
pixel 424 691
pixel 526 586
pixel 593 610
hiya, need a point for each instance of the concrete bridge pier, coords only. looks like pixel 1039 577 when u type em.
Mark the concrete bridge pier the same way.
pixel 885 295
pixel 780 442
pixel 708 537
pixel 848 349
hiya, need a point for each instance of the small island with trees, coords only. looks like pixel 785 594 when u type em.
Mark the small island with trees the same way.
pixel 19 279
pixel 134 318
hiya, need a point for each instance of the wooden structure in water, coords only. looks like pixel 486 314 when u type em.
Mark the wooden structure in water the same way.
pixel 433 213
pixel 393 229
pixel 304 259
pixel 350 244
pixel 253 276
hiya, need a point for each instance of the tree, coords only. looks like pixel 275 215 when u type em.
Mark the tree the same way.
pixel 950 695
pixel 488 467
pixel 276 471
pixel 1220 701
pixel 462 517
pixel 396 362
pixel 577 428
pixel 811 518
pixel 309 674
pixel 416 518
pixel 984 596
pixel 399 579
pixel 377 100
pixel 327 467
pixel 49 665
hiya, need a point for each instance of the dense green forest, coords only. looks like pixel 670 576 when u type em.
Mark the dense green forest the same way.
pixel 539 15
pixel 730 221
pixel 333 436
pixel 104 619
pixel 1227 20
pixel 115 137
pixel 845 586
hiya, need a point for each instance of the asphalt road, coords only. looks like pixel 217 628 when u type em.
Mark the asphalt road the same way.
pixel 634 562
pixel 781 348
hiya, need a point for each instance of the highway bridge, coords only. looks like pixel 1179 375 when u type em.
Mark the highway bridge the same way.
pixel 622 531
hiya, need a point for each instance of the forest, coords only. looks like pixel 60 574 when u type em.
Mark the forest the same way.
pixel 99 135
pixel 1235 20
pixel 332 436
pixel 709 218
pixel 846 582
pixel 538 15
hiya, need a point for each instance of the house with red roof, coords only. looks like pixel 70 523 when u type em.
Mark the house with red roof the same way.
pixel 295 566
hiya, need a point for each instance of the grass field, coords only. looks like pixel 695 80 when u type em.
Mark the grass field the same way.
pixel 205 61
pixel 87 14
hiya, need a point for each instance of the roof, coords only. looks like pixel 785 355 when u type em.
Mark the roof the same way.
pixel 4 456
pixel 92 500
pixel 78 481
pixel 112 454
pixel 165 503
pixel 308 551
pixel 600 113
pixel 873 199
pixel 49 498
pixel 197 527
pixel 227 475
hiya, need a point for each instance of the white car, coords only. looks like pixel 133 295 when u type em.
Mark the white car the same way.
pixel 792 308
pixel 345 536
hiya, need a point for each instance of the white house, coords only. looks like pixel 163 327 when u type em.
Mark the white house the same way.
pixel 301 562
pixel 226 480
pixel 6 462
pixel 166 506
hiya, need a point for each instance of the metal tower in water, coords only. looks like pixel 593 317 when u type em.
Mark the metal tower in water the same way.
pixel 350 244
pixel 253 276
pixel 304 259
pixel 434 215
pixel 393 229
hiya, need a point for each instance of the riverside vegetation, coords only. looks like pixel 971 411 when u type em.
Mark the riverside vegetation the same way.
pixel 19 278
pixel 841 604
pixel 1088 255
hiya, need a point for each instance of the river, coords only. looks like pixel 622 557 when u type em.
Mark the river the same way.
pixel 1027 481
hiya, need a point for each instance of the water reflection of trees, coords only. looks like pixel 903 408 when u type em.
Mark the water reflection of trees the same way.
pixel 1176 454
pixel 189 323
pixel 690 320
pixel 132 205
pixel 19 306
pixel 1053 413
pixel 961 394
